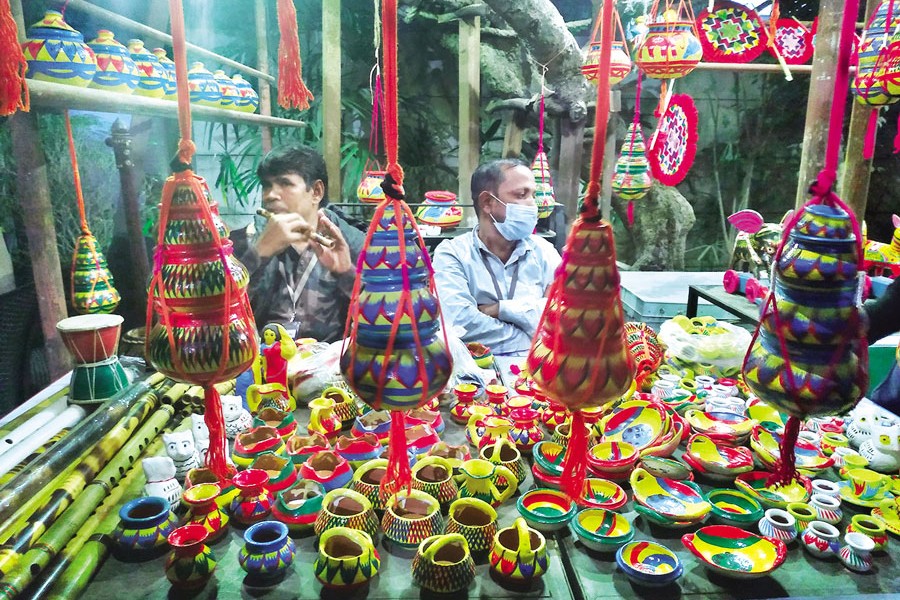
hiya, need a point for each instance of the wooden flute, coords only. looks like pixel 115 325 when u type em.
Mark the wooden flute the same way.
pixel 324 241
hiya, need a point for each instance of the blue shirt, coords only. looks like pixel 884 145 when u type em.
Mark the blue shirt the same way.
pixel 463 282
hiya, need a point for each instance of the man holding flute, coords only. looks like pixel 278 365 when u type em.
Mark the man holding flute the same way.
pixel 303 264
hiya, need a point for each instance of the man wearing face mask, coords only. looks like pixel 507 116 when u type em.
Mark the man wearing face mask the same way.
pixel 493 281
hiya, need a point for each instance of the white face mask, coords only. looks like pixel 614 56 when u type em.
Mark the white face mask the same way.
pixel 519 223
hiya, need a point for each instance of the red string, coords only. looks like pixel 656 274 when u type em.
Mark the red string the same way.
pixel 76 176
pixel 391 131
pixel 186 147
pixel 13 89
pixel 292 92
pixel 575 461
pixel 591 207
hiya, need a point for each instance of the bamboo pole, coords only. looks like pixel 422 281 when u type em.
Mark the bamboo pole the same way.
pixel 331 95
pixel 58 95
pixel 62 497
pixel 86 434
pixel 58 580
pixel 756 68
pixel 109 17
pixel 469 102
pixel 821 92
pixel 854 181
pixel 33 562
pixel 262 59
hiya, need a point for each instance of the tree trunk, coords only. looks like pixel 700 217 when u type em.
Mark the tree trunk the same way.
pixel 662 221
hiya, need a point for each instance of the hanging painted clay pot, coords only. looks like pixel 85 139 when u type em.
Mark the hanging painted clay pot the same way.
pixel 440 210
pixel 116 72
pixel 152 76
pixel 228 89
pixel 543 192
pixel 369 190
pixel 203 86
pixel 168 67
pixel 93 288
pixel 877 76
pixel 56 52
pixel 670 50
pixel 631 180
pixel 619 63
pixel 249 100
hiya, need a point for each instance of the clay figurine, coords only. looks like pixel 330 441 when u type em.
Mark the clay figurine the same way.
pixel 237 418
pixel 161 482
pixel 180 448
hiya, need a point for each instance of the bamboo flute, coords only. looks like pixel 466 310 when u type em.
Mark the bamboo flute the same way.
pixel 84 435
pixel 33 562
pixel 23 464
pixel 60 498
pixel 57 581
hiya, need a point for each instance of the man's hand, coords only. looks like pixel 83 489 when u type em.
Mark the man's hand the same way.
pixel 491 310
pixel 282 230
pixel 336 259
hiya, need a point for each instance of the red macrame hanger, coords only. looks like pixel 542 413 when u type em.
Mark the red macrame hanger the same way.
pixel 292 92
pixel 13 89
pixel 822 193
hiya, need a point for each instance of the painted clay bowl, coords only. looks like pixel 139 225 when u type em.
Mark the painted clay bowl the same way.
pixel 767 445
pixel 549 456
pixel 601 493
pixel 648 563
pixel 666 444
pixel 638 423
pixel 736 553
pixel 669 468
pixel 720 426
pixel 734 508
pixel 765 415
pixel 654 518
pixel 545 479
pixel 755 484
pixel 671 499
pixel 704 455
pixel 602 530
pixel 545 510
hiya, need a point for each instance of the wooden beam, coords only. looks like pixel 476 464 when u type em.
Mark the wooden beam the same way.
pixel 821 92
pixel 33 192
pixel 469 103
pixel 854 184
pixel 571 152
pixel 331 96
pixel 57 95
pixel 512 138
pixel 110 18
pixel 262 61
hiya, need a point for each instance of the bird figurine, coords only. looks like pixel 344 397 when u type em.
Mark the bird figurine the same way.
pixel 882 448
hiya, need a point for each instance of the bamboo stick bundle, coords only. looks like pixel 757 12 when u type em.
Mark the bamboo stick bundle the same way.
pixel 194 398
pixel 61 581
pixel 60 498
pixel 83 436
pixel 32 563
pixel 7 477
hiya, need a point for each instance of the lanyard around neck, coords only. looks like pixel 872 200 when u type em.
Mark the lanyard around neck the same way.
pixel 512 283
pixel 295 289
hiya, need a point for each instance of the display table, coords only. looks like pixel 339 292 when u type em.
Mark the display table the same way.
pixel 716 295
pixel 652 298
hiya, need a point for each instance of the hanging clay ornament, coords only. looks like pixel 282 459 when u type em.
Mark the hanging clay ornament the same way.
pixel 92 287
pixel 671 48
pixel 543 193
pixel 631 180
pixel 874 69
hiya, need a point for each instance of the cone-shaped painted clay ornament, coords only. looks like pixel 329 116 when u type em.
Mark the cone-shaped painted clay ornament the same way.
pixel 92 287
pixel 579 356
pixel 395 356
pixel 631 180
pixel 543 193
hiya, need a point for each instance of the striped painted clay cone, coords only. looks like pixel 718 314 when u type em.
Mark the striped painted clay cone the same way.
pixel 92 288
pixel 631 180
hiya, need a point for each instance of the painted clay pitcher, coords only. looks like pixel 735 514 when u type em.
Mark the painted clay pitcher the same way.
pixel 347 558
pixel 484 431
pixel 346 508
pixel 204 510
pixel 322 419
pixel 443 564
pixel 56 52
pixel 480 481
pixel 229 91
pixel 504 453
pixel 519 553
pixel 253 502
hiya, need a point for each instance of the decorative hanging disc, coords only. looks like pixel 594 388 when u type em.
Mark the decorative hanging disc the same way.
pixel 672 156
pixel 793 41
pixel 730 33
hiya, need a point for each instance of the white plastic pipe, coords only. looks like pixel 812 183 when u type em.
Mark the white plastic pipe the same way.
pixel 67 418
pixel 9 441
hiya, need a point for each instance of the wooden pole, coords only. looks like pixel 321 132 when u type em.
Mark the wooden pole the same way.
pixel 331 96
pixel 571 152
pixel 821 92
pixel 33 191
pixel 512 138
pixel 120 142
pixel 609 154
pixel 854 182
pixel 469 102
pixel 262 62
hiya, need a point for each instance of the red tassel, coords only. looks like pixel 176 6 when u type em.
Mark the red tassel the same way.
pixel 292 92
pixel 631 214
pixel 871 129
pixel 786 470
pixel 575 462
pixel 13 91
pixel 215 422
pixel 398 475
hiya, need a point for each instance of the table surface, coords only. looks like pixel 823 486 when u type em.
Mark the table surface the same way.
pixel 733 303
pixel 575 572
